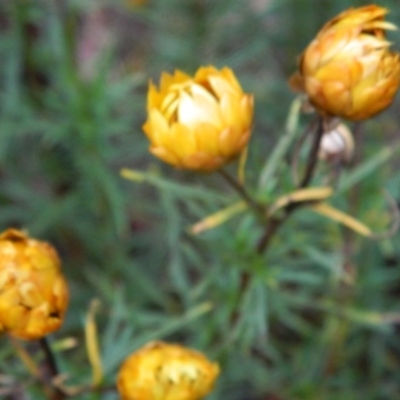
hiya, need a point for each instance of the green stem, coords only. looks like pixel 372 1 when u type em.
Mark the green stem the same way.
pixel 241 190
pixel 274 223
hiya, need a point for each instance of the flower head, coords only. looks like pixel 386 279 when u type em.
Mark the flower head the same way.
pixel 162 371
pixel 199 122
pixel 33 291
pixel 348 70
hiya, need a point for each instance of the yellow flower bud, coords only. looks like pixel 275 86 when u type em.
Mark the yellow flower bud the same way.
pixel 162 371
pixel 199 122
pixel 33 291
pixel 348 69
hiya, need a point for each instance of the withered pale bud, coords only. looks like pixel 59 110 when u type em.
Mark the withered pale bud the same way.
pixel 337 144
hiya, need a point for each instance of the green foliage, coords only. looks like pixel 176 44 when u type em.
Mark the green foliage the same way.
pixel 319 316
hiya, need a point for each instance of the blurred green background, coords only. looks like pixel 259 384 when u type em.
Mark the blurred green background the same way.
pixel 320 318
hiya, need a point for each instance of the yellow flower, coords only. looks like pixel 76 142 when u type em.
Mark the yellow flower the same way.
pixel 348 69
pixel 162 371
pixel 199 122
pixel 33 291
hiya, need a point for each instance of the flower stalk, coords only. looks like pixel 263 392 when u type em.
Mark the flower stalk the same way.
pixel 51 366
pixel 241 190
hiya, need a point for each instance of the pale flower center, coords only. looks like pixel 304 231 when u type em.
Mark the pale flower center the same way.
pixel 190 103
pixel 176 373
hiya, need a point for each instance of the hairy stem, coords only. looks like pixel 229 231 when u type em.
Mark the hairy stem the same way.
pixel 241 190
pixel 274 223
pixel 313 156
pixel 51 369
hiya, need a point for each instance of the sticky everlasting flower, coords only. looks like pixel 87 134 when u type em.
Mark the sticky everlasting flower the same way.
pixel 348 69
pixel 33 292
pixel 162 371
pixel 199 122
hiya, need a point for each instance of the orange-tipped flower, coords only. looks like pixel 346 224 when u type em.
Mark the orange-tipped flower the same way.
pixel 199 122
pixel 33 291
pixel 348 69
pixel 162 371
